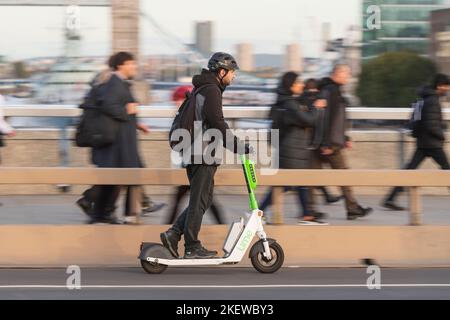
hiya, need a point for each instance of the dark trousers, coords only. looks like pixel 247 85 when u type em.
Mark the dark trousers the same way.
pixel 181 192
pixel 438 155
pixel 105 201
pixel 302 193
pixel 336 160
pixel 201 180
pixel 105 198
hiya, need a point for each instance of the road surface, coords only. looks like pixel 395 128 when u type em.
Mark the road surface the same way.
pixel 224 283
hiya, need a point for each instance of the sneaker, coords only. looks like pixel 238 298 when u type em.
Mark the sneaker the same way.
pixel 358 213
pixel 170 240
pixel 152 207
pixel 200 253
pixel 97 221
pixel 314 222
pixel 108 219
pixel 130 220
pixel 390 204
pixel 319 215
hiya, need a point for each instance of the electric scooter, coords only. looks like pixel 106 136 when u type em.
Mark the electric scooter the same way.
pixel 266 254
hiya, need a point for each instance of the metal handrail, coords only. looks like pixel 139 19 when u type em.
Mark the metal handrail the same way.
pixel 235 112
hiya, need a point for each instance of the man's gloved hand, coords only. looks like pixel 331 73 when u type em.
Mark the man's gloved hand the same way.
pixel 248 149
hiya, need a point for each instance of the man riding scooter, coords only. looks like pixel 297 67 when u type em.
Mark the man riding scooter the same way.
pixel 208 87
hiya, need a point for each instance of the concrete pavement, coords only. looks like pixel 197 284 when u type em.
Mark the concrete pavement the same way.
pixel 61 209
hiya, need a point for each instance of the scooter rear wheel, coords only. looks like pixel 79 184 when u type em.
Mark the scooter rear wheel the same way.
pixel 262 264
pixel 152 267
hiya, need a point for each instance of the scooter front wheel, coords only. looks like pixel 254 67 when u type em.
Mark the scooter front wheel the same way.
pixel 264 265
pixel 153 267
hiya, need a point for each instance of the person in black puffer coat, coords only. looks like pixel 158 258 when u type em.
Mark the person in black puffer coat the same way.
pixel 429 134
pixel 295 123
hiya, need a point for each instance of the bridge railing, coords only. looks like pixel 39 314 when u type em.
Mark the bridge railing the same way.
pixel 232 114
pixel 412 179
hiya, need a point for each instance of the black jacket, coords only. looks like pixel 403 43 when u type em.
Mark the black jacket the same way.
pixel 295 132
pixel 209 111
pixel 309 97
pixel 335 115
pixel 430 132
pixel 115 95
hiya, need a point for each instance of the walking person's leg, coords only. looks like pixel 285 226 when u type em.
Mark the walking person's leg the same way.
pixel 416 160
pixel 316 163
pixel 133 202
pixel 104 207
pixel 337 161
pixel 217 212
pixel 329 198
pixel 86 202
pixel 148 205
pixel 309 217
pixel 267 201
pixel 439 157
pixel 302 193
pixel 179 194
pixel 354 210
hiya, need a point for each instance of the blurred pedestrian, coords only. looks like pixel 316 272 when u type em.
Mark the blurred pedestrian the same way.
pixel 295 122
pixel 5 128
pixel 429 132
pixel 311 98
pixel 117 102
pixel 87 201
pixel 334 140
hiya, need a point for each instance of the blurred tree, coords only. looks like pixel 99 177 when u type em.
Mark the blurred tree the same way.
pixel 392 79
pixel 20 70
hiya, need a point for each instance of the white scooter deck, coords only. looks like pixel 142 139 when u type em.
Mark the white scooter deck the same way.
pixel 253 227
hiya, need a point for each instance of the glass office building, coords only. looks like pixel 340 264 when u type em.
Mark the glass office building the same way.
pixel 405 25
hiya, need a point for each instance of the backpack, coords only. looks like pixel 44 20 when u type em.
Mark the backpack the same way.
pixel 95 129
pixel 185 116
pixel 416 117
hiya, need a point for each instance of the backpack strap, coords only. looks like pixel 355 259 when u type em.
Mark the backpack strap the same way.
pixel 197 91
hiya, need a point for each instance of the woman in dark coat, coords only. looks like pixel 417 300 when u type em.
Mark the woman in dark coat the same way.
pixel 295 122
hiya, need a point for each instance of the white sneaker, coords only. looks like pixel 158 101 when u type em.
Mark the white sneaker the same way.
pixel 130 220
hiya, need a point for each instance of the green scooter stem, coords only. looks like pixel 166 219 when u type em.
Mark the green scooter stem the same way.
pixel 250 179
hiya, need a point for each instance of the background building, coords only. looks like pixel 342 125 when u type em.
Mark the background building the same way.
pixel 293 60
pixel 405 25
pixel 203 37
pixel 440 39
pixel 244 56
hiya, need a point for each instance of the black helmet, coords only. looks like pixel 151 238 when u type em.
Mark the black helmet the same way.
pixel 222 60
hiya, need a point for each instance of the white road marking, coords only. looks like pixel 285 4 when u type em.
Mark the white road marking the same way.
pixel 399 285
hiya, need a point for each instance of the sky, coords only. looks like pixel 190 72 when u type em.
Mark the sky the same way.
pixel 268 25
